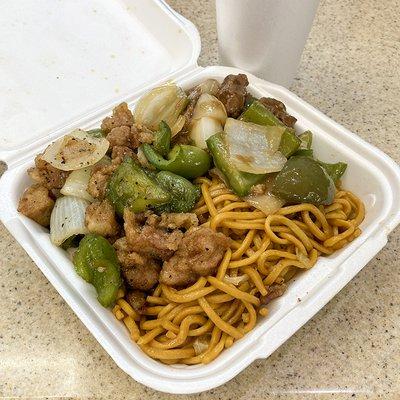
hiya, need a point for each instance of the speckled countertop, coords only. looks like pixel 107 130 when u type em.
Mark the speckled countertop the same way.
pixel 350 70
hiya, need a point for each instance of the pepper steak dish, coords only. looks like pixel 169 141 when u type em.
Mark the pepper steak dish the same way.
pixel 192 213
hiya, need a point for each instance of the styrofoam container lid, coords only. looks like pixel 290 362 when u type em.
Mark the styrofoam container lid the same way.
pixel 61 59
pixel 150 26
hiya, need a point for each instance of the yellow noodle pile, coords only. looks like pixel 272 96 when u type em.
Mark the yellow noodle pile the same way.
pixel 195 324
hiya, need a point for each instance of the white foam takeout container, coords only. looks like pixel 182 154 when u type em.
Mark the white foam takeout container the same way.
pixel 141 45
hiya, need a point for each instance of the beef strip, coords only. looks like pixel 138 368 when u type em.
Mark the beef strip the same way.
pixel 232 94
pixel 100 219
pixel 139 271
pixel 198 254
pixel 279 110
pixel 37 204
pixel 46 175
pixel 274 291
pixel 150 239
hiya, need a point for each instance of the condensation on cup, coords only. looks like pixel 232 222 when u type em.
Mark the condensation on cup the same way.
pixel 264 37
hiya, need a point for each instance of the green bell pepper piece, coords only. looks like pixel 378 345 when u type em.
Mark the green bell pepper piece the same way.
pixel 184 160
pixel 258 114
pixel 304 180
pixel 96 262
pixel 306 140
pixel 305 145
pixel 98 133
pixel 184 194
pixel 289 143
pixel 335 171
pixel 130 186
pixel 162 139
pixel 240 182
pixel 304 152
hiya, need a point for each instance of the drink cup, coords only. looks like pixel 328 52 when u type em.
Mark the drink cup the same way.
pixel 264 37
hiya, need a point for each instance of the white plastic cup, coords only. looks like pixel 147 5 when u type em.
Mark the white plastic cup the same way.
pixel 264 37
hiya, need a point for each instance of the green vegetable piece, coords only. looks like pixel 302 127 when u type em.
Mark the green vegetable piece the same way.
pixel 184 160
pixel 72 241
pixel 303 180
pixel 98 133
pixel 162 139
pixel 248 101
pixel 130 186
pixel 258 114
pixel 305 153
pixel 240 182
pixel 306 140
pixel 96 262
pixel 335 171
pixel 289 143
pixel 184 194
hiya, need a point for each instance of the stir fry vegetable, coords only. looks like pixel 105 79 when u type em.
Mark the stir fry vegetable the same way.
pixel 184 160
pixel 131 187
pixel 163 103
pixel 254 148
pixel 67 219
pixel 240 182
pixel 184 194
pixel 79 149
pixel 335 171
pixel 304 180
pixel 258 114
pixel 289 143
pixel 162 139
pixel 96 262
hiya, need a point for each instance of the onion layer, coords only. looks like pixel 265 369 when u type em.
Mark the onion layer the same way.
pixel 67 219
pixel 254 148
pixel 75 151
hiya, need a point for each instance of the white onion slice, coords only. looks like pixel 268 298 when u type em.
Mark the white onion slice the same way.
pixel 75 151
pixel 76 184
pixel 200 344
pixel 254 148
pixel 267 202
pixel 67 219
pixel 209 106
pixel 236 280
pixel 210 86
pixel 202 129
pixel 163 103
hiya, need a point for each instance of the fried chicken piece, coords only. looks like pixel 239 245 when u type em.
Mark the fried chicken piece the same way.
pixel 37 204
pixel 139 271
pixel 100 219
pixel 199 253
pixel 137 299
pixel 149 238
pixel 46 175
pixel 98 181
pixel 121 116
pixel 178 220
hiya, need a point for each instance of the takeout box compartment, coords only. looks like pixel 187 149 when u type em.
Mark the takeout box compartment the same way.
pixel 371 174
